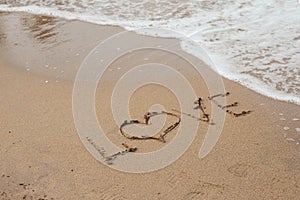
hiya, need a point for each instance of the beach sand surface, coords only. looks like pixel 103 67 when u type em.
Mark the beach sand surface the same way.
pixel 256 157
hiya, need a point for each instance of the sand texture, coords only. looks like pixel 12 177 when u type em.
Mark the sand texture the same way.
pixel 41 154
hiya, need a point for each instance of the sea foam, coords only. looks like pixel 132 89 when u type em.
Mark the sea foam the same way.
pixel 255 43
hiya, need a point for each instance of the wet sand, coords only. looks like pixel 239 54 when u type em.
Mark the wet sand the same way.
pixel 256 157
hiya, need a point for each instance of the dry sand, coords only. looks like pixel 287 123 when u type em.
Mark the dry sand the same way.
pixel 43 157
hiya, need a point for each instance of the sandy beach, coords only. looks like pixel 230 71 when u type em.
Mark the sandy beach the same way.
pixel 42 157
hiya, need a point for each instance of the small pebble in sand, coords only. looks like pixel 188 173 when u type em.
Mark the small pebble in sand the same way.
pixel 290 139
pixel 46 66
pixel 295 119
pixel 146 58
pixel 46 81
pixel 28 69
pixel 9 131
pixel 286 128
pixel 119 68
pixel 77 54
pixel 281 114
pixel 118 49
pixel 101 60
pixel 297 129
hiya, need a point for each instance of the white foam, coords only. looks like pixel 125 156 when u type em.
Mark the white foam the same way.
pixel 253 42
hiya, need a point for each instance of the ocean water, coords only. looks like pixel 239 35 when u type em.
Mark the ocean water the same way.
pixel 255 43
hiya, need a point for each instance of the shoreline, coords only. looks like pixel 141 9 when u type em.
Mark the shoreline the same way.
pixel 271 92
pixel 43 155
